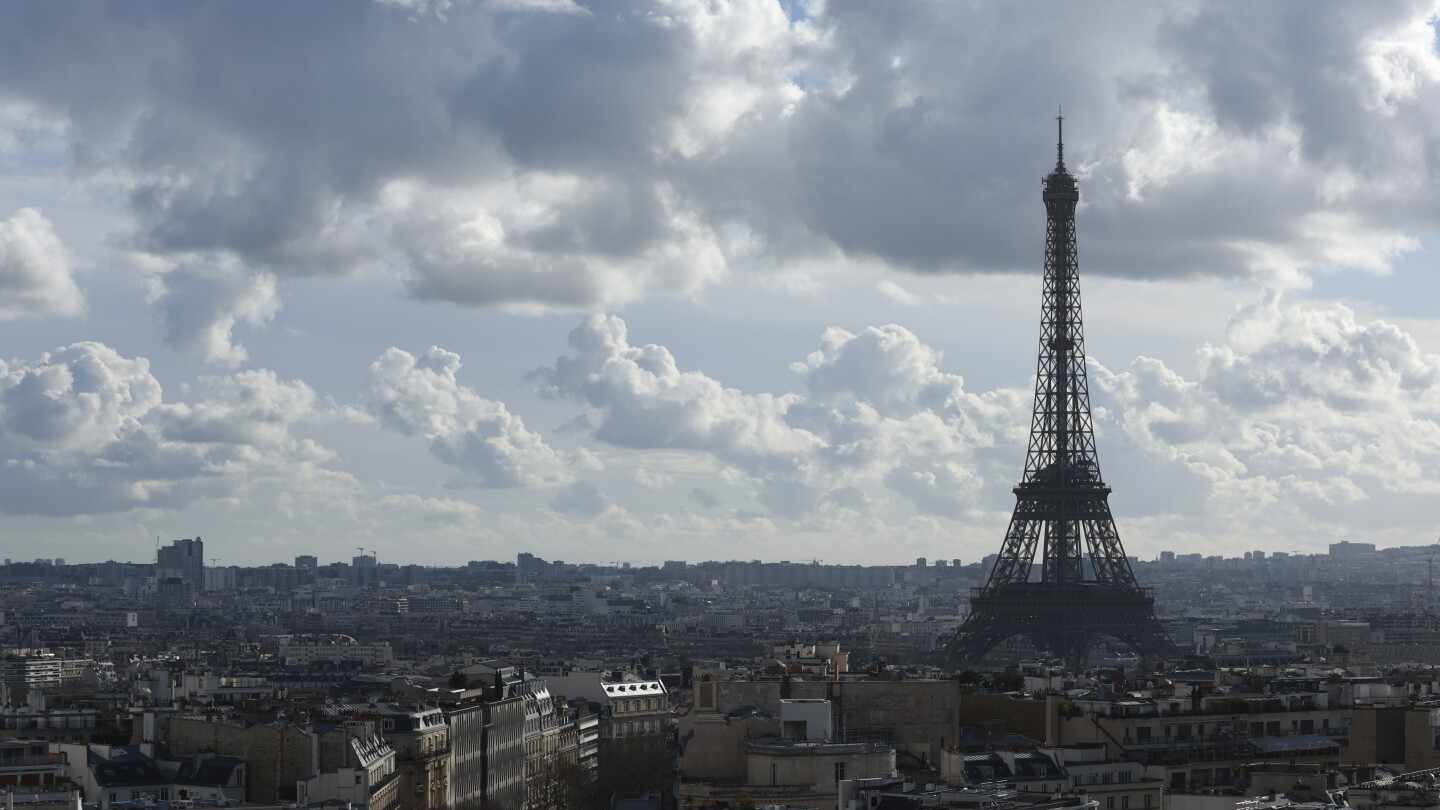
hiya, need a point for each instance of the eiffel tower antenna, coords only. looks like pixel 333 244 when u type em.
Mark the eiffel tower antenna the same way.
pixel 1059 139
pixel 1061 504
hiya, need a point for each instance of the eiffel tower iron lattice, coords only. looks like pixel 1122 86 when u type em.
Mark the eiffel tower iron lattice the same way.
pixel 1062 505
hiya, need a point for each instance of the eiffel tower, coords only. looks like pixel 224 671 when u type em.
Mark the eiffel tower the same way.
pixel 1061 504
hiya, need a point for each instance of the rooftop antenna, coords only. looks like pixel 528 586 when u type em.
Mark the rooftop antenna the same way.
pixel 1059 138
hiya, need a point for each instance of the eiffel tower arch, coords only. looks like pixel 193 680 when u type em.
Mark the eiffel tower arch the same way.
pixel 1062 505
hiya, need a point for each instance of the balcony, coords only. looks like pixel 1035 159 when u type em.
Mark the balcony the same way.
pixel 31 762
pixel 1195 740
pixel 779 745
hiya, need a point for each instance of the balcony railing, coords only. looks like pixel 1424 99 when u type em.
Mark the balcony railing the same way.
pixel 31 761
pixel 1172 740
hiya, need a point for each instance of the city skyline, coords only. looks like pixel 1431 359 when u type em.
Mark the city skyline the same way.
pixel 307 560
pixel 672 281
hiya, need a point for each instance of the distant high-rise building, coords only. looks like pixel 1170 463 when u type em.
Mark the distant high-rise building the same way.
pixel 364 569
pixel 183 560
pixel 1345 548
pixel 307 561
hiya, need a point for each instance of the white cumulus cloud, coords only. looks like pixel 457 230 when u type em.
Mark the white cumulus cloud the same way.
pixel 85 430
pixel 37 272
pixel 422 396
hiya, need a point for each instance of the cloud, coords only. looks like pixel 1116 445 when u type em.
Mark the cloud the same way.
pixel 79 399
pixel 645 401
pixel 421 396
pixel 898 294
pixel 36 270
pixel 443 511
pixel 200 306
pixel 254 408
pixel 889 412
pixel 876 411
pixel 580 499
pixel 552 154
pixel 550 242
pixel 704 497
pixel 1302 410
pixel 651 479
pixel 85 430
pixel 1300 415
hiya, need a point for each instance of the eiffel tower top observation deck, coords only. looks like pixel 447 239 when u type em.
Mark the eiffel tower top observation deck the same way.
pixel 1062 507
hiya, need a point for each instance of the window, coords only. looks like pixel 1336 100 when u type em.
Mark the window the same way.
pixel 839 771
pixel 1124 803
pixel 1147 801
pixel 1109 803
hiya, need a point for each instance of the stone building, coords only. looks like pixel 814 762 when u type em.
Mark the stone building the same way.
pixel 421 740
pixel 487 740
pixel 791 758
pixel 629 705
pixel 1404 736
pixel 355 767
pixel 277 753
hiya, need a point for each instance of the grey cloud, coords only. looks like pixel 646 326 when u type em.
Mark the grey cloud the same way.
pixel 580 499
pixel 609 145
pixel 788 498
pixel 496 156
pixel 200 306
pixel 704 498
pixel 937 488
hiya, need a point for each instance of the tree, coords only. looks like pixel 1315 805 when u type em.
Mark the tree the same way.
pixel 458 680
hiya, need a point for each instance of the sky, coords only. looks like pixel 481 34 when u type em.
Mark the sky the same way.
pixel 706 279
